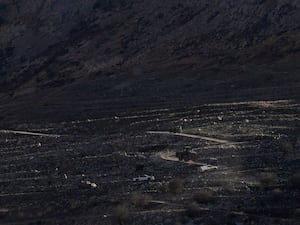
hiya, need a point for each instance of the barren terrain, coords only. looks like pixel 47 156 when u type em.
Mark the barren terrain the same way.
pixel 94 93
pixel 41 175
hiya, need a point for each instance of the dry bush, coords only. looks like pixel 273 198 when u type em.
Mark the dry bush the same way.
pixel 277 192
pixel 217 183
pixel 163 188
pixel 203 197
pixel 267 180
pixel 193 209
pixel 297 212
pixel 286 147
pixel 139 199
pixel 294 180
pixel 176 186
pixel 228 189
pixel 120 213
pixel 117 156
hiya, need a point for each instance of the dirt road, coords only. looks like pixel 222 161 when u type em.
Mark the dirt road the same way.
pixel 220 141
pixel 28 133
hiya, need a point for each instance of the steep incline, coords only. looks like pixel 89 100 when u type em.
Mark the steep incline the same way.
pixel 127 44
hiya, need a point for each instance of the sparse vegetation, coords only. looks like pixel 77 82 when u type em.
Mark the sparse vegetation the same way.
pixel 164 188
pixel 294 181
pixel 203 197
pixel 117 157
pixel 193 209
pixel 2 21
pixel 267 180
pixel 175 199
pixel 297 212
pixel 176 186
pixel 228 189
pixel 139 199
pixel 120 213
pixel 286 147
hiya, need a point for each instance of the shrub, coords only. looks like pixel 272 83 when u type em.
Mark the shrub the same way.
pixel 193 209
pixel 120 213
pixel 176 186
pixel 294 180
pixel 163 188
pixel 2 21
pixel 139 199
pixel 203 197
pixel 297 212
pixel 286 147
pixel 117 156
pixel 267 180
pixel 228 189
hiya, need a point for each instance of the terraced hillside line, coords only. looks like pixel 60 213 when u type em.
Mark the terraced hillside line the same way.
pixel 160 211
pixel 29 133
pixel 265 104
pixel 220 141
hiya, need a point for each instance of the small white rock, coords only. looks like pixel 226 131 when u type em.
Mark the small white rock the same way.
pixel 93 185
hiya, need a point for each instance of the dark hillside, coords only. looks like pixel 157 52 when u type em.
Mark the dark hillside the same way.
pixel 52 47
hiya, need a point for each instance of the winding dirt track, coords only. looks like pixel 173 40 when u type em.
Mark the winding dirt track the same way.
pixel 220 141
pixel 33 191
pixel 170 156
pixel 29 133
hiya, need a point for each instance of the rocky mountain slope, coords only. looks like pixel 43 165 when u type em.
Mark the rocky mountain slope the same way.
pixel 57 46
